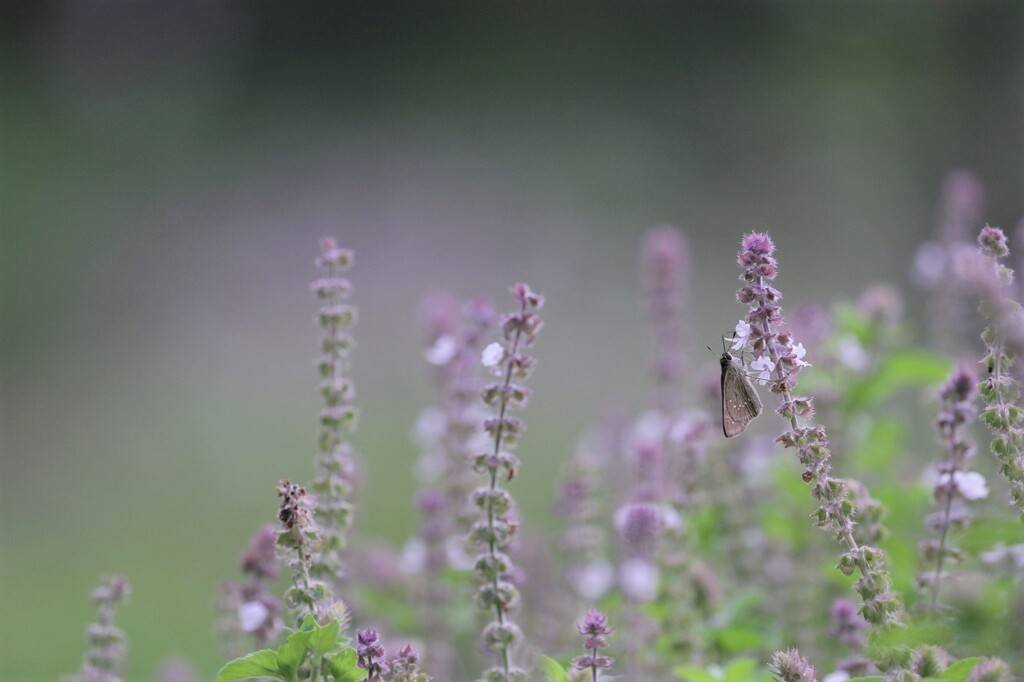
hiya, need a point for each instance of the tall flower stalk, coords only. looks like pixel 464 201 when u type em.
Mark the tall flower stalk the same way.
pixel 1000 392
pixel 778 358
pixel 447 432
pixel 107 646
pixel 954 485
pixel 335 463
pixel 494 531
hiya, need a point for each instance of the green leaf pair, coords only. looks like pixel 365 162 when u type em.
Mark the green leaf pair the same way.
pixel 311 640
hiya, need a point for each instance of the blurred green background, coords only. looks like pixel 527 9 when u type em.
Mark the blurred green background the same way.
pixel 166 170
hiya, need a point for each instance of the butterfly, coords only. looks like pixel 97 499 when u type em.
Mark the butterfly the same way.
pixel 740 402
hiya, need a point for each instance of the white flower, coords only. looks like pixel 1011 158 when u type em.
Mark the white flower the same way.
pixel 595 579
pixel 648 429
pixel 837 676
pixel 852 355
pixel 798 355
pixel 414 557
pixel 492 355
pixel 639 580
pixel 443 350
pixel 970 484
pixel 764 368
pixel 430 426
pixel 742 334
pixel 251 615
pixel 455 551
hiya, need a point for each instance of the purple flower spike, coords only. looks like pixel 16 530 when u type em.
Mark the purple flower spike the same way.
pixel 594 628
pixel 370 654
pixel 779 359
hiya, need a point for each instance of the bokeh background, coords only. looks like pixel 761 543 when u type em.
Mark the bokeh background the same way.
pixel 166 170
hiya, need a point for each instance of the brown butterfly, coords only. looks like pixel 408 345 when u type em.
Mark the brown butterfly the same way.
pixel 740 402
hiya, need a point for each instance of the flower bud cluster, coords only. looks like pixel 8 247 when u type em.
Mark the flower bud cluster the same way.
pixel 106 643
pixel 790 666
pixel 370 655
pixel 405 666
pixel 954 484
pixel 594 628
pixel 1003 340
pixel 298 539
pixel 778 359
pixel 492 534
pixel 335 462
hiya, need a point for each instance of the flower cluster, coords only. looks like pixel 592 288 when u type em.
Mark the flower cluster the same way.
pixel 494 531
pixel 335 463
pixel 299 539
pixel 954 485
pixel 779 358
pixel 790 666
pixel 405 666
pixel 250 608
pixel 594 629
pixel 999 390
pixel 106 642
pixel 371 655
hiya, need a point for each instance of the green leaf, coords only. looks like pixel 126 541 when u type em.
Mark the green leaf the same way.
pixel 259 664
pixel 869 678
pixel 902 369
pixel 325 639
pixel 959 671
pixel 737 639
pixel 344 667
pixel 553 669
pixel 292 653
pixel 740 670
pixel 693 674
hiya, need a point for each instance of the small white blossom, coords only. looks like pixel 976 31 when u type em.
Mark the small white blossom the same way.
pixel 414 557
pixel 742 334
pixel 970 484
pixel 764 368
pixel 492 355
pixel 443 350
pixel 639 580
pixel 837 676
pixel 798 355
pixel 595 579
pixel 251 615
pixel 852 355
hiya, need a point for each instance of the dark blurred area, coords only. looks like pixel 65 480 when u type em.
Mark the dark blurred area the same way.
pixel 166 170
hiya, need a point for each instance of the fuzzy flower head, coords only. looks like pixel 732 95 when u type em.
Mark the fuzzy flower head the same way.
pixel 639 526
pixel 993 242
pixel 790 666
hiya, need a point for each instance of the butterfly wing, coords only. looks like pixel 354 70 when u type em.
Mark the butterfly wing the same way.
pixel 740 402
